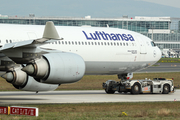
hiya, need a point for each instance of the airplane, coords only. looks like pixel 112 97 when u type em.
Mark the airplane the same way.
pixel 37 58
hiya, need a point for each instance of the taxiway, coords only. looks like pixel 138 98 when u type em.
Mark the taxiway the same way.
pixel 162 67
pixel 85 96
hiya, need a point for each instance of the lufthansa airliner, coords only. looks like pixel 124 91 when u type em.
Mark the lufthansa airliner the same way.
pixel 38 58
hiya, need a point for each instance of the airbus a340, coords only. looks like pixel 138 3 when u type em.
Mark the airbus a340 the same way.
pixel 38 58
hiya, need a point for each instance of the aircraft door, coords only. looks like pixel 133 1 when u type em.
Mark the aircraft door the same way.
pixel 142 46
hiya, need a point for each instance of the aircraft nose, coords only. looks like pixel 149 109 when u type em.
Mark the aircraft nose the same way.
pixel 159 54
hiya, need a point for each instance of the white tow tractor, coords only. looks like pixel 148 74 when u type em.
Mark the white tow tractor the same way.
pixel 157 85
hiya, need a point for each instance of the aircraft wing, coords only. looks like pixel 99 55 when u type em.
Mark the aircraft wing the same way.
pixel 50 35
pixel 16 53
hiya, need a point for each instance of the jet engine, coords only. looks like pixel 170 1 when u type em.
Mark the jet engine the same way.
pixel 57 68
pixel 33 85
pixel 22 81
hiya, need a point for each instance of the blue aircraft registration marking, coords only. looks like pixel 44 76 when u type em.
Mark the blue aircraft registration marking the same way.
pixel 101 35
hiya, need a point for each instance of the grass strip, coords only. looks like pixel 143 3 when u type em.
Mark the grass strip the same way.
pixel 169 60
pixel 104 111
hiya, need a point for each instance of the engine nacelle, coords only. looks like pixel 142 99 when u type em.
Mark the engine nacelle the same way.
pixel 20 80
pixel 16 77
pixel 57 68
pixel 64 68
pixel 33 85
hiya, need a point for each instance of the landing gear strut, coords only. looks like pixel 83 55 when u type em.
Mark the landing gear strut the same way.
pixel 122 76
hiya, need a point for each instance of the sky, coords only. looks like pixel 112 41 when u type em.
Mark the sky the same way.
pixel 172 3
pixel 94 8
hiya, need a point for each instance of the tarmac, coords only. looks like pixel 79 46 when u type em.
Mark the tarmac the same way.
pixel 91 96
pixel 162 67
pixel 81 96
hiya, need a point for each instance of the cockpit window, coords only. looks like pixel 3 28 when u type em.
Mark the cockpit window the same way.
pixel 153 44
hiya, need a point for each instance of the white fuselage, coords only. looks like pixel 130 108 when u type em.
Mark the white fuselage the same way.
pixel 104 50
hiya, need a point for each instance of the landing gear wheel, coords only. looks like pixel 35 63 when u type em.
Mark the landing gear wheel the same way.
pixel 109 91
pixel 165 89
pixel 135 89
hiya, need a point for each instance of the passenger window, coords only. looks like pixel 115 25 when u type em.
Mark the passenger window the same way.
pixel 92 43
pixel 59 42
pixel 62 42
pixel 108 43
pixel 85 43
pixel 95 43
pixel 101 43
pixel 79 43
pixel 98 43
pixel 114 44
pixel 127 44
pixel 104 43
pixel 72 43
pixel 117 44
pixel 6 41
pixel 124 44
pixel 82 43
pixel 66 42
pixel 69 42
pixel 76 43
pixel 121 44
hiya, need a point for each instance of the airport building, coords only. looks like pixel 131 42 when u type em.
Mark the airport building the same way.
pixel 164 31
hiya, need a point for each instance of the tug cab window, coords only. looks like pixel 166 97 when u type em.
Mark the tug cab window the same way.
pixel 153 44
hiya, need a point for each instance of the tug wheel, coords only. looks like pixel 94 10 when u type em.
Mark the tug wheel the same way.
pixel 165 89
pixel 109 91
pixel 135 89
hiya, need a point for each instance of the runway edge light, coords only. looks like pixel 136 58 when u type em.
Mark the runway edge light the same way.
pixel 18 110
